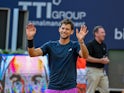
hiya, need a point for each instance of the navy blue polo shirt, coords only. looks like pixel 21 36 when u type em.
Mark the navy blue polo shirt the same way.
pixel 62 64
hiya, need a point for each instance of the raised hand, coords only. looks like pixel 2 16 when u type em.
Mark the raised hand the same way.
pixel 82 33
pixel 30 31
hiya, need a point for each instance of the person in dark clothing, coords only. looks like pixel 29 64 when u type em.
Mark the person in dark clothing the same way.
pixel 97 59
pixel 62 55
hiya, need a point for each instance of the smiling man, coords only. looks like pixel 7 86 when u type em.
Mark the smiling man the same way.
pixel 97 59
pixel 62 54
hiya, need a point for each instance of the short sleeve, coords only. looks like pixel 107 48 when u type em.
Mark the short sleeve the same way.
pixel 90 48
pixel 45 48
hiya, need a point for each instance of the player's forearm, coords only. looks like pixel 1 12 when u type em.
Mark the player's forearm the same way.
pixel 93 60
pixel 84 51
pixel 32 51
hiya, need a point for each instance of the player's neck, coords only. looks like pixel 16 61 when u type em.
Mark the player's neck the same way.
pixel 64 41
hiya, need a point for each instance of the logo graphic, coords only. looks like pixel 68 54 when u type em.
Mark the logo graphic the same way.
pixel 70 50
pixel 48 14
pixel 57 2
pixel 119 35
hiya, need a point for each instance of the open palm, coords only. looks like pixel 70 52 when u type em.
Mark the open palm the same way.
pixel 30 31
pixel 82 33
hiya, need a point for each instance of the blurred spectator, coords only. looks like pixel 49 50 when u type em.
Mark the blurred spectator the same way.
pixel 97 59
pixel 81 75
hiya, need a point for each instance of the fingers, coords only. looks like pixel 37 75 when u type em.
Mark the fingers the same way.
pixel 86 32
pixel 83 28
pixel 30 25
pixel 106 60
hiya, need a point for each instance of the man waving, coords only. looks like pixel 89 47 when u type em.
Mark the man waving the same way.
pixel 62 55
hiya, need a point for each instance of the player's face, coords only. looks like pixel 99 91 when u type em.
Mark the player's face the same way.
pixel 101 34
pixel 65 31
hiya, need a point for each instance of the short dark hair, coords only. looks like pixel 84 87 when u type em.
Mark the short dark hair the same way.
pixel 96 28
pixel 67 21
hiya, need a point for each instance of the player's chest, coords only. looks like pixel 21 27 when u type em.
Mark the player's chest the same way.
pixel 62 51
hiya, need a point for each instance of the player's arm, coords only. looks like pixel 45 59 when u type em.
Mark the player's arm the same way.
pixel 83 50
pixel 35 52
pixel 30 32
pixel 98 60
pixel 93 59
pixel 80 36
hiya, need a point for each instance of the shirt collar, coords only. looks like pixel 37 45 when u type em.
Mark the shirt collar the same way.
pixel 97 42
